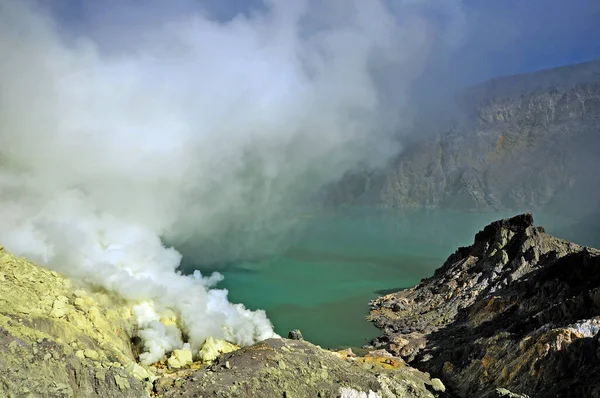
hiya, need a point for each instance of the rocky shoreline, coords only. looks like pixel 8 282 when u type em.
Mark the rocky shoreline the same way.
pixel 514 315
pixel 519 309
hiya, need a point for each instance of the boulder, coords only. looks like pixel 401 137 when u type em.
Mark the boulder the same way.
pixel 179 359
pixel 213 348
pixel 295 335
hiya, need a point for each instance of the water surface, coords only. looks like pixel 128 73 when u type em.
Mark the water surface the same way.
pixel 346 257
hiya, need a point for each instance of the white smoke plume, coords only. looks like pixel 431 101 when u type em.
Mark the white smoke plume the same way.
pixel 191 129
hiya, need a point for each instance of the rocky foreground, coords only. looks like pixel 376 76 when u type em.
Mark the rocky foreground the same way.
pixel 516 314
pixel 519 309
pixel 58 339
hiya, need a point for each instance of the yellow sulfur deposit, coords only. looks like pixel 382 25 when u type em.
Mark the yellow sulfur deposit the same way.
pixel 213 348
pixel 179 359
pixel 52 330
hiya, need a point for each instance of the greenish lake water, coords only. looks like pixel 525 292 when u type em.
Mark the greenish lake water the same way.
pixel 323 283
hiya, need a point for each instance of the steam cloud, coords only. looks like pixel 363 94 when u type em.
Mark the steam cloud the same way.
pixel 210 134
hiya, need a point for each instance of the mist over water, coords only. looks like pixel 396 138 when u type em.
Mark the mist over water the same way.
pixel 345 257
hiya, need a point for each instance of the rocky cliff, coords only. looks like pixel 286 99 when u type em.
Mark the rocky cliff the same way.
pixel 519 309
pixel 520 142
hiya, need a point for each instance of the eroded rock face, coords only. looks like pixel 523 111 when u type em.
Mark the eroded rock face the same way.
pixel 297 368
pixel 529 141
pixel 519 309
pixel 60 341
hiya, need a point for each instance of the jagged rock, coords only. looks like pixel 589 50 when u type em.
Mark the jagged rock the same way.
pixel 139 372
pixel 519 309
pixel 295 335
pixel 179 359
pixel 297 368
pixel 52 347
pixel 213 348
pixel 60 307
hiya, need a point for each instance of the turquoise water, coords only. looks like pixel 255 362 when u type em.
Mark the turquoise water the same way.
pixel 322 283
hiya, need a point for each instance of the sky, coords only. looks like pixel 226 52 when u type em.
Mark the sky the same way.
pixel 522 36
pixel 499 37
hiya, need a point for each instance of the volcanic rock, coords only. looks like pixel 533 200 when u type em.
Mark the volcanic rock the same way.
pixel 296 368
pixel 295 335
pixel 518 309
pixel 526 141
pixel 59 341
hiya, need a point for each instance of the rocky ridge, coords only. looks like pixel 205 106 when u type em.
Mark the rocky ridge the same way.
pixel 518 309
pixel 518 142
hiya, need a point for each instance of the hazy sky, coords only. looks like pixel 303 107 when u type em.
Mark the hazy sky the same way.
pixel 517 36
pixel 501 37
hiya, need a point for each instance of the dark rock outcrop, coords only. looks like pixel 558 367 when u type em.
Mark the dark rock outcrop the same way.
pixel 519 309
pixel 295 335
